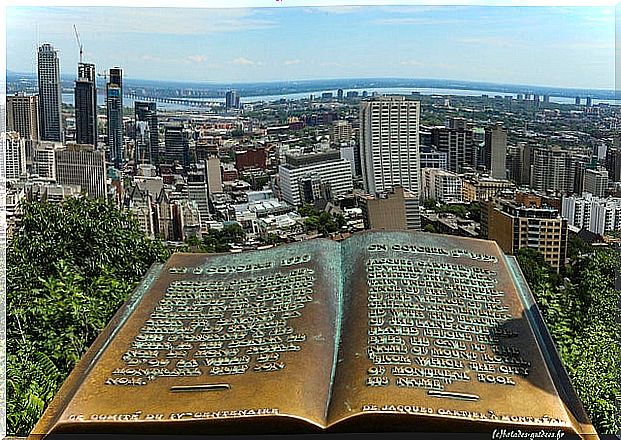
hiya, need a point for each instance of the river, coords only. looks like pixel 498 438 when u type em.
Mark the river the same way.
pixel 68 98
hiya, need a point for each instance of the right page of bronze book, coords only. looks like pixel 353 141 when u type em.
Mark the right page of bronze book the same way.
pixel 438 334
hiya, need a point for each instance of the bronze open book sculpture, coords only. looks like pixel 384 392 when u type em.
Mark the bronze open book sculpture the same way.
pixel 386 331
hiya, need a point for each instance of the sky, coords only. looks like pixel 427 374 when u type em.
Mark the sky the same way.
pixel 546 46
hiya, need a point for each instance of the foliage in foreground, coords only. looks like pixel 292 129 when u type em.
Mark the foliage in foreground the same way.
pixel 69 268
pixel 580 314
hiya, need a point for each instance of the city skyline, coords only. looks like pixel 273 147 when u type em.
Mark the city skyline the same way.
pixel 545 46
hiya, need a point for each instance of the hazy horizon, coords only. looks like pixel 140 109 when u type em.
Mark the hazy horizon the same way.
pixel 564 47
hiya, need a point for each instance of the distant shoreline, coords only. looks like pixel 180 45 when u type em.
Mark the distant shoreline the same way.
pixel 217 90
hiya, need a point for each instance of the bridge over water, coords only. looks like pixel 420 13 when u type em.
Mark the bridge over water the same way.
pixel 178 101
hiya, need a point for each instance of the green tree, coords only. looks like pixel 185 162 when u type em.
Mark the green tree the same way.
pixel 430 228
pixel 273 239
pixel 306 210
pixel 458 210
pixel 321 221
pixel 220 240
pixel 430 203
pixel 69 268
pixel 576 247
pixel 581 317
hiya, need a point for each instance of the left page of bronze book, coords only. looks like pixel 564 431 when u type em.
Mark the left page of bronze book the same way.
pixel 235 343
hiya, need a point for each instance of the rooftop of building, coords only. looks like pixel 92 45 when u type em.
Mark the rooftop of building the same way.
pixel 303 159
pixel 517 209
pixel 262 206
pixel 389 98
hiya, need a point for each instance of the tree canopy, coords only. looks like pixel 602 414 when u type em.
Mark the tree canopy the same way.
pixel 321 221
pixel 217 240
pixel 69 268
pixel 580 315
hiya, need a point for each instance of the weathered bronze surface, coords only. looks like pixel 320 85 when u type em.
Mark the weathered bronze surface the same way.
pixel 444 328
pixel 386 331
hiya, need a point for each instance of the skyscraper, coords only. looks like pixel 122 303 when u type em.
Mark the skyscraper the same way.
pixel 232 99
pixel 214 174
pixel 50 98
pixel 389 153
pixel 198 192
pixel 147 112
pixel 553 169
pixel 595 182
pixel 457 142
pixel 613 163
pixel 44 159
pixel 114 107
pixel 23 115
pixel 115 76
pixel 86 105
pixel 496 152
pixel 142 143
pixel 177 145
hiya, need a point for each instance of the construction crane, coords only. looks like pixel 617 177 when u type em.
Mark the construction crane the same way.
pixel 77 37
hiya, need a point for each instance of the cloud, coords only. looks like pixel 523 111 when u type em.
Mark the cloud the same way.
pixel 607 19
pixel 242 61
pixel 291 62
pixel 197 58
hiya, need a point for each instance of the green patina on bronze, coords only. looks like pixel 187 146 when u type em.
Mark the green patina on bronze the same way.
pixel 385 331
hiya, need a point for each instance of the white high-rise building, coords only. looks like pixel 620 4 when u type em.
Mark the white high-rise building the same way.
pixel 389 144
pixel 441 185
pixel 596 214
pixel 198 191
pixel 44 159
pixel 15 156
pixel 329 167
